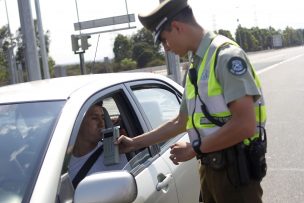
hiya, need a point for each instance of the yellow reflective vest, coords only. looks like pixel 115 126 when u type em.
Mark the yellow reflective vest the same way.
pixel 210 91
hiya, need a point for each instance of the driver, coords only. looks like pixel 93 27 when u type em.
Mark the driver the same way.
pixel 88 142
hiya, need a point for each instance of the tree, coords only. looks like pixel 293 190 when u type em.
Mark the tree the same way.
pixel 144 35
pixel 239 36
pixel 122 48
pixel 3 68
pixel 144 49
pixel 127 64
pixel 226 33
pixel 252 42
pixel 142 54
pixel 258 39
pixel 20 56
pixel 4 43
pixel 51 63
pixel 246 39
pixel 292 37
pixel 139 48
pixel 265 38
pixel 146 53
pixel 302 36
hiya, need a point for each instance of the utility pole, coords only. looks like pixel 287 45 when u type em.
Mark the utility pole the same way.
pixel 44 57
pixel 75 45
pixel 29 40
pixel 12 65
pixel 173 65
pixel 83 69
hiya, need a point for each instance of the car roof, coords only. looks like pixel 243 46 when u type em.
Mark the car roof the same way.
pixel 62 88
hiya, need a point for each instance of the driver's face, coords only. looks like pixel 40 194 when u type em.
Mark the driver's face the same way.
pixel 93 123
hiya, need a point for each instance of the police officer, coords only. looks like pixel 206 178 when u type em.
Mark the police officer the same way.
pixel 222 105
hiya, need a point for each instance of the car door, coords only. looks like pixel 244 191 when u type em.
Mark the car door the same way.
pixel 154 179
pixel 153 176
pixel 160 102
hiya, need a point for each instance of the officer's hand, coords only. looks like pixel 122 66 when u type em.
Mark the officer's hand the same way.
pixel 181 152
pixel 125 144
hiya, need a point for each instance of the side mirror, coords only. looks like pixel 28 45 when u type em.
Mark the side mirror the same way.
pixel 106 187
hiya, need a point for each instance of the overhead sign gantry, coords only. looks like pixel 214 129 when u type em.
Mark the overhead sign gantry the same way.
pixel 79 48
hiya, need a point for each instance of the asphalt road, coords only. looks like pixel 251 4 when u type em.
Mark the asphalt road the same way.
pixel 283 87
pixel 264 59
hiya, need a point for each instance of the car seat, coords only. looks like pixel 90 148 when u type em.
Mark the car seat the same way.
pixel 107 119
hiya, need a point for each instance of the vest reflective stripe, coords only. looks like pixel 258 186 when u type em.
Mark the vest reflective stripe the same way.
pixel 193 136
pixel 263 114
pixel 211 93
pixel 214 87
pixel 202 122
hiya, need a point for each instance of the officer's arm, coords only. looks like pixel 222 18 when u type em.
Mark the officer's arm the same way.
pixel 166 131
pixel 241 126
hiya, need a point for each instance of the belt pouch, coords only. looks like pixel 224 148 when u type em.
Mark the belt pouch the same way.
pixel 218 160
pixel 237 169
pixel 242 164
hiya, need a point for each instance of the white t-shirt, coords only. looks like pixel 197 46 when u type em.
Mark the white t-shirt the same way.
pixel 77 162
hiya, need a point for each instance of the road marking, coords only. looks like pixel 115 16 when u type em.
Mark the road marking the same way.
pixel 287 169
pixel 277 64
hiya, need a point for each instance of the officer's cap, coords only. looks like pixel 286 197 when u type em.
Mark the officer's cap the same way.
pixel 156 20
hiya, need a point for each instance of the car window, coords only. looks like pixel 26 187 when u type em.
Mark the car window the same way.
pixel 88 121
pixel 160 105
pixel 101 115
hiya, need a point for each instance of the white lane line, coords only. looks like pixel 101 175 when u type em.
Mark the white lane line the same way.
pixel 277 64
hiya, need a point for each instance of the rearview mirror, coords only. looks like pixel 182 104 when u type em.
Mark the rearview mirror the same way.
pixel 106 187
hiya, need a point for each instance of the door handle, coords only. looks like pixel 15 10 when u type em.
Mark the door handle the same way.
pixel 163 181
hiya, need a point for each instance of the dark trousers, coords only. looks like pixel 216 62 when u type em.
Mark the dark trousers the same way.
pixel 216 187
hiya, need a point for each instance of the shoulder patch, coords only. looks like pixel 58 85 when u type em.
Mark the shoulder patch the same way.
pixel 237 66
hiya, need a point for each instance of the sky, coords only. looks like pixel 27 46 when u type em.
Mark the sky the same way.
pixel 59 16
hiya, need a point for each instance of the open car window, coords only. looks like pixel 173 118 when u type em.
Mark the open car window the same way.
pixel 159 102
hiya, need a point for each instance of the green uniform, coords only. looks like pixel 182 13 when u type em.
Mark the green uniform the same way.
pixel 230 79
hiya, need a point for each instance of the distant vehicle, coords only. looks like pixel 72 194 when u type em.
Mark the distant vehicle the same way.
pixel 39 122
pixel 277 41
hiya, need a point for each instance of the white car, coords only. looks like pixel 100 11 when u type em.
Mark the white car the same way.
pixel 39 122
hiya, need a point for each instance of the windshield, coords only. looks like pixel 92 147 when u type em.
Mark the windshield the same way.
pixel 25 130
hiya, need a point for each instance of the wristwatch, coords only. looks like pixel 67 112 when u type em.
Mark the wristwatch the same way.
pixel 196 144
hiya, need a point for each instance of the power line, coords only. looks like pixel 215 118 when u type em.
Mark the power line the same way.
pixel 78 17
pixel 95 54
pixel 8 23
